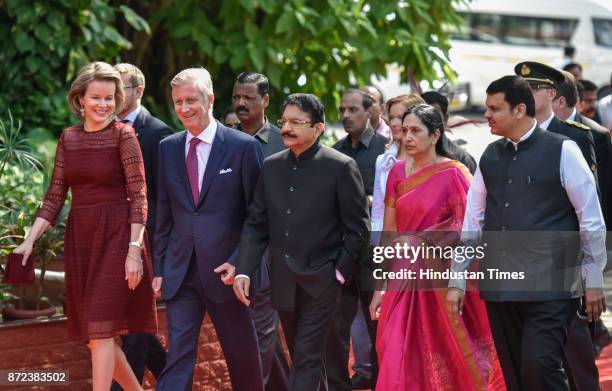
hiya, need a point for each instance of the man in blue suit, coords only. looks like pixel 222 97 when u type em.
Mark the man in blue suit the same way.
pixel 207 175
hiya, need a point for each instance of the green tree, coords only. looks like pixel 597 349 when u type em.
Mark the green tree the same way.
pixel 43 46
pixel 319 46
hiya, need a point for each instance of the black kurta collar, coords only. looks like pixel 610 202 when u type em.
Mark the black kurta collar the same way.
pixel 307 154
pixel 527 142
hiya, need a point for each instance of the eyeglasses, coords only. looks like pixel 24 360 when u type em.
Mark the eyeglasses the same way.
pixel 293 123
pixel 127 87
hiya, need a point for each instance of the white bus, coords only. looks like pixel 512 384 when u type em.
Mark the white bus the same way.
pixel 500 33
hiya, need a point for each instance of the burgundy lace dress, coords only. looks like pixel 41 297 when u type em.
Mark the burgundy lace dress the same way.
pixel 104 170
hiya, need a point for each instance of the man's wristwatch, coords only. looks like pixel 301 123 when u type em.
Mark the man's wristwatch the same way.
pixel 135 244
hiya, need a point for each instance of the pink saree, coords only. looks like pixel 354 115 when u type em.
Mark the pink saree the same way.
pixel 420 345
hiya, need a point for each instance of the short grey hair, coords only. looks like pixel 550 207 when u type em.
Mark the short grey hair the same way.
pixel 199 77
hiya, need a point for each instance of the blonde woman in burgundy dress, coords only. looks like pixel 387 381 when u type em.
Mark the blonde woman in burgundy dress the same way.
pixel 108 273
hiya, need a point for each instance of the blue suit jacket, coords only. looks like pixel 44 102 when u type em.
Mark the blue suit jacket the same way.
pixel 211 228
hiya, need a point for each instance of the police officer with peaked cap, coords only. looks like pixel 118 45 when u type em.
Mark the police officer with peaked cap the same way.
pixel 543 79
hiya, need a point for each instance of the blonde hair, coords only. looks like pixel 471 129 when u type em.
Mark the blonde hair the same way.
pixel 135 75
pixel 199 77
pixel 408 100
pixel 95 71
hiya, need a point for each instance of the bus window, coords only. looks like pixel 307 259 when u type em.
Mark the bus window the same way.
pixel 485 27
pixel 557 32
pixel 514 29
pixel 477 27
pixel 603 32
pixel 520 30
pixel 534 31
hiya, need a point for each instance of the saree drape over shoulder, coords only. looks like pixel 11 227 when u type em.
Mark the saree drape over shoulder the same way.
pixel 420 345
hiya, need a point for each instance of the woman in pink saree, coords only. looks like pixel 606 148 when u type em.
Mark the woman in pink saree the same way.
pixel 420 344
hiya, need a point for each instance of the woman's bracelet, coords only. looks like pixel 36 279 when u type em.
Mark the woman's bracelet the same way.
pixel 139 260
pixel 135 244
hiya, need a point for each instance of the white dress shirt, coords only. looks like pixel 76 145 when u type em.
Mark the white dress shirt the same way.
pixel 384 163
pixel 579 184
pixel 604 108
pixel 544 124
pixel 203 148
pixel 132 115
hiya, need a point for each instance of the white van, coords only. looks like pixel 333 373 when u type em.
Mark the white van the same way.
pixel 500 33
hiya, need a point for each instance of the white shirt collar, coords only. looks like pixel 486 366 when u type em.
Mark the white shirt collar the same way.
pixel 525 136
pixel 132 115
pixel 572 116
pixel 544 124
pixel 208 135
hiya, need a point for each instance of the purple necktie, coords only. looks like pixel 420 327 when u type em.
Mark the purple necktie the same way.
pixel 192 169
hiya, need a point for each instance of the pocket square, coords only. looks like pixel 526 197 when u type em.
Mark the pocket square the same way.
pixel 225 171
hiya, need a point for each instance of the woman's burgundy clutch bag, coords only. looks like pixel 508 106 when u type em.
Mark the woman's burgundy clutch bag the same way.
pixel 15 273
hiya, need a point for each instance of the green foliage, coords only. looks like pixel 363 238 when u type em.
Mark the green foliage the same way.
pixel 23 185
pixel 43 46
pixel 329 137
pixel 23 189
pixel 319 46
pixel 13 149
pixel 4 294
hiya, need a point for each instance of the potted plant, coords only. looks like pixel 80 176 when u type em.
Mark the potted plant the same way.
pixel 23 185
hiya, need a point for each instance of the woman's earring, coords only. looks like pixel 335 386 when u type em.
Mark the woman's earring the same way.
pixel 82 110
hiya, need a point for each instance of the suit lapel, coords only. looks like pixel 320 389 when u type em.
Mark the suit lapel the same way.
pixel 554 125
pixel 181 164
pixel 140 122
pixel 214 161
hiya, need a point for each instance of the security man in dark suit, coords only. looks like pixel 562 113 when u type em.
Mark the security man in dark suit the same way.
pixel 542 80
pixel 579 349
pixel 582 373
pixel 311 209
pixel 603 153
pixel 143 350
pixel 363 145
pixel 250 98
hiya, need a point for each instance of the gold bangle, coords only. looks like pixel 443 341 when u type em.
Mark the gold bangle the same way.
pixel 139 260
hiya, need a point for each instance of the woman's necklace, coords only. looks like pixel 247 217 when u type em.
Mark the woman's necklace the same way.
pixel 411 169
